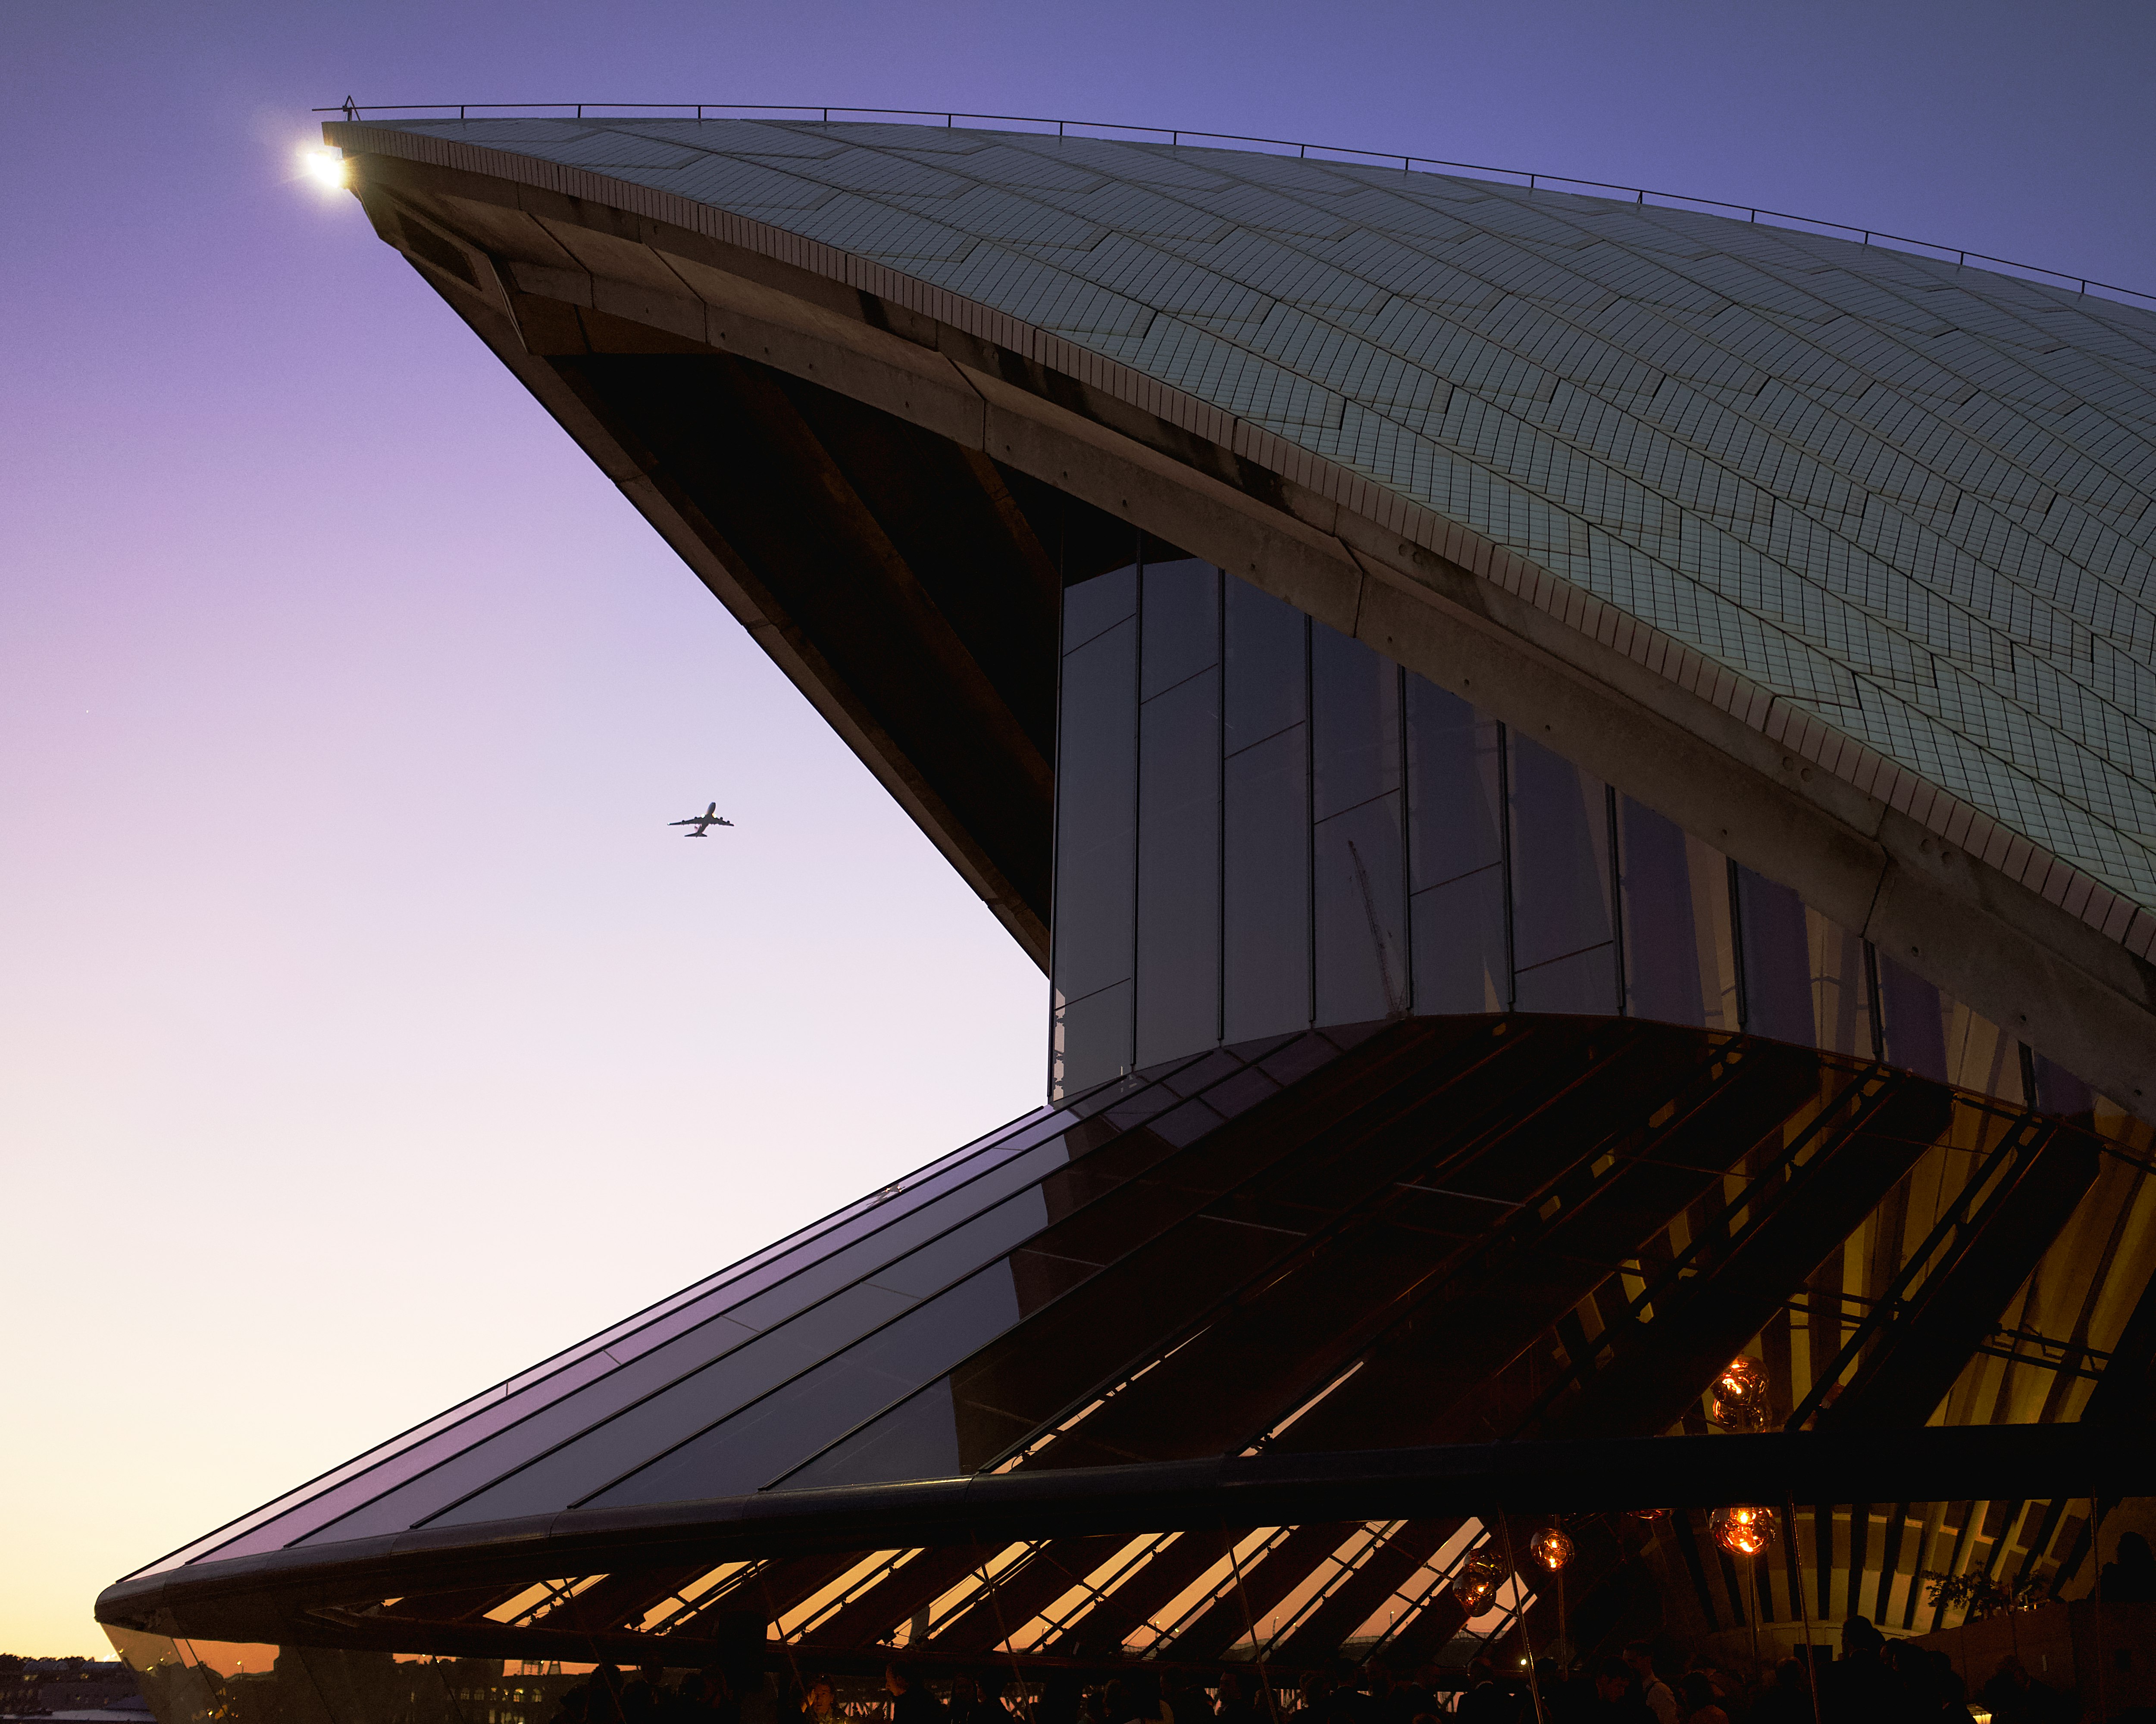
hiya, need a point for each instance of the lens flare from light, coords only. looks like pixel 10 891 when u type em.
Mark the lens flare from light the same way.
pixel 325 167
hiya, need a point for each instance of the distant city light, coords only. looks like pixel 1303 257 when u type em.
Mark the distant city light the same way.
pixel 326 167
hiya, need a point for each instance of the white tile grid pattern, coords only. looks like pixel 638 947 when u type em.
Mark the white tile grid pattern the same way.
pixel 1909 500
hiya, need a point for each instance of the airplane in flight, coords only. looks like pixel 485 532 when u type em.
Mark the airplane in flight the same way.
pixel 703 822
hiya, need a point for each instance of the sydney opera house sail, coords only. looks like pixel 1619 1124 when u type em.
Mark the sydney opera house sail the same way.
pixel 1582 776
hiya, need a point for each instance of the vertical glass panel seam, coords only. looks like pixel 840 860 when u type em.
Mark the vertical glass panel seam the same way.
pixel 1056 784
pixel 1220 815
pixel 1310 819
pixel 1404 775
pixel 1617 903
pixel 1138 805
pixel 1505 850
pixel 1737 948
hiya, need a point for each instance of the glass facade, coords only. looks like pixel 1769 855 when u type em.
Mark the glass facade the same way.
pixel 1264 826
pixel 1434 1230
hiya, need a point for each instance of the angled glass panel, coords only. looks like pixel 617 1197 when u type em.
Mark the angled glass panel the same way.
pixel 1842 993
pixel 1679 952
pixel 655 1426
pixel 768 1439
pixel 880 1226
pixel 1456 853
pixel 1178 980
pixel 762 1342
pixel 1359 875
pixel 1777 959
pixel 1268 669
pixel 1355 718
pixel 1980 1055
pixel 1092 1040
pixel 1096 813
pixel 1930 1032
pixel 1564 950
pixel 1092 607
pixel 1915 1027
pixel 1266 883
pixel 1181 613
pixel 2058 1090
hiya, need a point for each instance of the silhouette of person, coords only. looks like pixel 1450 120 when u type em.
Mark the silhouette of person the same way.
pixel 2130 1577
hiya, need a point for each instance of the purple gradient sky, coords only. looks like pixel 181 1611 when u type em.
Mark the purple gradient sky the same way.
pixel 364 1035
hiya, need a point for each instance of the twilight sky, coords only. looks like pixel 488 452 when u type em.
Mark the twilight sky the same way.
pixel 364 1034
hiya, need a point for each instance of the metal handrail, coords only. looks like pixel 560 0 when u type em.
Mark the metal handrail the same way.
pixel 1534 181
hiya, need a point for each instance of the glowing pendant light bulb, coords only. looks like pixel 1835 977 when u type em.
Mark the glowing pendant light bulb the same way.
pixel 1551 1548
pixel 1740 1396
pixel 1476 1586
pixel 1744 1531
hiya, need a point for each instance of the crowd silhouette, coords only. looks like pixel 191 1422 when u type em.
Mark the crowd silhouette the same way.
pixel 1873 1680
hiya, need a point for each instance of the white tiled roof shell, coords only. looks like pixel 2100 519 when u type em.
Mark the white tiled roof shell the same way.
pixel 1911 500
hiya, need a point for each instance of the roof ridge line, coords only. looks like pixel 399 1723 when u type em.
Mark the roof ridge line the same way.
pixel 353 111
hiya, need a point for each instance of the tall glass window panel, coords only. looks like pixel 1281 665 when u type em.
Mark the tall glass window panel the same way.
pixel 1915 1029
pixel 1090 1041
pixel 1841 996
pixel 1268 665
pixel 1680 955
pixel 1355 695
pixel 1360 876
pixel 1359 851
pixel 1265 921
pixel 1777 959
pixel 1096 828
pixel 1564 953
pixel 1178 966
pixel 1265 914
pixel 1457 854
pixel 1980 1055
pixel 1933 1033
pixel 1181 605
pixel 1092 607
pixel 2058 1090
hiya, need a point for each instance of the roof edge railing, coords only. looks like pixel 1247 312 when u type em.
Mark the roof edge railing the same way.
pixel 1534 181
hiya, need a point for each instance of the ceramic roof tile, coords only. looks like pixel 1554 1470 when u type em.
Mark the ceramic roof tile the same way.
pixel 1913 499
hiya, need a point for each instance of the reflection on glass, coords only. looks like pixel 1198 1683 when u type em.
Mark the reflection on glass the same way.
pixel 1181 616
pixel 1355 707
pixel 1841 992
pixel 1777 959
pixel 1092 1040
pixel 1914 1032
pixel 1288 830
pixel 2058 1090
pixel 1980 1055
pixel 1268 670
pixel 1679 956
pixel 1097 814
pixel 1564 953
pixel 1456 847
pixel 1266 879
pixel 1360 877
pixel 1179 996
pixel 1092 607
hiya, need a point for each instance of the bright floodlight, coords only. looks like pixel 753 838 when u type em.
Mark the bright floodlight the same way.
pixel 326 166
